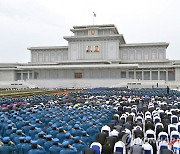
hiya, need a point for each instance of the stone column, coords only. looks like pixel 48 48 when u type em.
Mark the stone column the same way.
pixel 158 74
pixel 21 75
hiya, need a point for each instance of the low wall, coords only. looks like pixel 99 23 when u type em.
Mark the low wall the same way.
pixel 88 83
pixel 92 83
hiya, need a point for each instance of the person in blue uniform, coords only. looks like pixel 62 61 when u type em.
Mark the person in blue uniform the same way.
pixel 27 145
pixel 8 146
pixel 26 127
pixel 77 131
pixel 13 134
pixel 19 134
pixel 54 131
pixel 61 134
pixel 41 138
pixel 85 138
pixel 33 131
pixel 19 146
pixel 69 138
pixel 78 144
pixel 48 142
pixel 36 149
pixel 8 131
pixel 56 147
pixel 67 148
pixel 92 131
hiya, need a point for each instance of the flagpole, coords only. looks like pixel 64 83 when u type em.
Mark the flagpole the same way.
pixel 94 15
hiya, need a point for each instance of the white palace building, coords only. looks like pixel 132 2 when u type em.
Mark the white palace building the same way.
pixel 96 56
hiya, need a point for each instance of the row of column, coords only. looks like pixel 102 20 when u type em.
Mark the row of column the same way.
pixel 152 75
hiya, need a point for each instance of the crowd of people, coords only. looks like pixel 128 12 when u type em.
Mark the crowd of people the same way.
pixel 100 120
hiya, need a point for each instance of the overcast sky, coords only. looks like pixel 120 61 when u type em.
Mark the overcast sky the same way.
pixel 30 23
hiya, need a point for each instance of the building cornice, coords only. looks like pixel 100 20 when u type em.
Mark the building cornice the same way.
pixel 90 26
pixel 71 38
pixel 147 61
pixel 145 44
pixel 99 28
pixel 96 66
pixel 48 48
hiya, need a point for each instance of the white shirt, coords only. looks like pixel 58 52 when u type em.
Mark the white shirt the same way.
pixel 163 143
pixel 117 115
pixel 138 141
pixel 174 132
pixel 176 147
pixel 177 125
pixel 158 124
pixel 147 146
pixel 97 144
pixel 174 116
pixel 163 133
pixel 114 133
pixel 106 128
pixel 170 126
pixel 149 131
pixel 120 144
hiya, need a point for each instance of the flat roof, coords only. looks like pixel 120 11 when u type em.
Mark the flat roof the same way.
pixel 79 66
pixel 88 26
pixel 145 44
pixel 47 47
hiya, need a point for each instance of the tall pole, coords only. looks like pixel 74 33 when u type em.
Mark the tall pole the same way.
pixel 94 15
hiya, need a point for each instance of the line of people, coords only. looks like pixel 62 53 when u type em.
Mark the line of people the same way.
pixel 148 124
pixel 103 120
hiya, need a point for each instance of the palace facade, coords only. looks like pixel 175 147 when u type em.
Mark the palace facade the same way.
pixel 96 56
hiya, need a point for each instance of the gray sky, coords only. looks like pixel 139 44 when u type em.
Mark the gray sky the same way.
pixel 28 23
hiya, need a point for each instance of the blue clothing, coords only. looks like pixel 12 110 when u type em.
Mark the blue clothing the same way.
pixel 47 145
pixel 8 149
pixel 8 132
pixel 16 139
pixel 48 130
pixel 53 133
pixel 39 150
pixel 26 147
pixel 76 132
pixel 26 129
pixel 92 131
pixel 20 124
pixel 19 148
pixel 55 149
pixel 70 140
pixel 32 133
pixel 13 136
pixel 68 151
pixel 61 136
pixel 80 146
pixel 41 141
pixel 86 140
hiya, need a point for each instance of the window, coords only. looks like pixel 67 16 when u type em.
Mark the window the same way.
pixel 78 75
pixel 123 74
pixel 146 75
pixel 131 75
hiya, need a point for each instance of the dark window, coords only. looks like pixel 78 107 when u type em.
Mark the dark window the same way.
pixel 78 75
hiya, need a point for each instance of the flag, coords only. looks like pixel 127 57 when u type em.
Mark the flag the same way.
pixel 94 14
